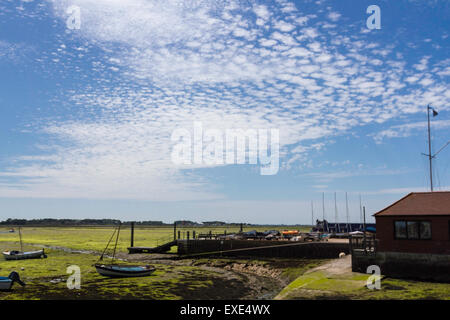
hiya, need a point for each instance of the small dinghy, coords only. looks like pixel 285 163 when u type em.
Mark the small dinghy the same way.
pixel 111 270
pixel 18 255
pixel 6 283
pixel 21 255
pixel 117 270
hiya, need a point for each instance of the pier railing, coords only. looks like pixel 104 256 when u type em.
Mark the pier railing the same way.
pixel 364 244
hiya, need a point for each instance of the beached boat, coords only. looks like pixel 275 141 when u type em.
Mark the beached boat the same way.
pixel 111 270
pixel 6 283
pixel 19 255
pixel 117 270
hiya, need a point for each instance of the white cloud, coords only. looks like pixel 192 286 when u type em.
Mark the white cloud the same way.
pixel 408 129
pixel 227 64
pixel 334 16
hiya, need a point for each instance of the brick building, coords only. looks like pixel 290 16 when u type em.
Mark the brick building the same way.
pixel 412 239
pixel 417 223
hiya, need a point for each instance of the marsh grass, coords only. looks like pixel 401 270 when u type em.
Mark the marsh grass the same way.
pixel 96 238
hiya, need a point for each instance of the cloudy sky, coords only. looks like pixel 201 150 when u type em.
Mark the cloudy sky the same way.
pixel 88 106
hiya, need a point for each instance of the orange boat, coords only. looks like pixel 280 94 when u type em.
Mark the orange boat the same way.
pixel 290 232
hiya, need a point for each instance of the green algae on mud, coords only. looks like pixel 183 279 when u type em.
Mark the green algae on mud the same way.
pixel 209 278
pixel 319 285
pixel 46 279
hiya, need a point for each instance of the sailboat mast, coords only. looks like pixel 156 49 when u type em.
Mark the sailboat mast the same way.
pixel 20 237
pixel 360 209
pixel 107 245
pixel 346 210
pixel 335 213
pixel 117 239
pixel 323 206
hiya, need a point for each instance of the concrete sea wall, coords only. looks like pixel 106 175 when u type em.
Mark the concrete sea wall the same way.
pixel 421 266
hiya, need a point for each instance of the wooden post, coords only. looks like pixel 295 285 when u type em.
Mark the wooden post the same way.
pixel 132 235
pixel 193 234
pixel 187 235
pixel 179 234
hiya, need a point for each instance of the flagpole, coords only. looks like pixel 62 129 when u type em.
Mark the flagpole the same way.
pixel 429 149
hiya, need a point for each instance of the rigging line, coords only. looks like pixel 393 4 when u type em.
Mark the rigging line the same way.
pixel 117 239
pixel 103 253
pixel 425 174
pixel 448 142
pixel 444 171
pixel 438 178
pixel 20 236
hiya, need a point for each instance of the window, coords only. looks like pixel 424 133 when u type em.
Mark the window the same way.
pixel 413 230
pixel 425 230
pixel 400 229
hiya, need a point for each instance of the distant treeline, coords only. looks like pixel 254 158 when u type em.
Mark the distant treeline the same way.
pixel 109 222
pixel 74 222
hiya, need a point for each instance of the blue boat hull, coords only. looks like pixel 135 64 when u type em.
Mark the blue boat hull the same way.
pixel 118 271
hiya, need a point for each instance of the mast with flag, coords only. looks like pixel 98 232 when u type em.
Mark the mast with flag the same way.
pixel 430 156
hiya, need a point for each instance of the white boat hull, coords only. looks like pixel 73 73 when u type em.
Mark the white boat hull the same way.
pixel 14 255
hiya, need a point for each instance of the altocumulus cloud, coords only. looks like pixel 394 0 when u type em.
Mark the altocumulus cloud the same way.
pixel 228 64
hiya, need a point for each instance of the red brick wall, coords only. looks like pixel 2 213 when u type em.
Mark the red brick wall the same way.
pixel 439 243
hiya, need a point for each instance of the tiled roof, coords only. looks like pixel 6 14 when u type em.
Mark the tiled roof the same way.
pixel 419 203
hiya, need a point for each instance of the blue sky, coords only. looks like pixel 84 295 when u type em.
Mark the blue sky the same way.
pixel 87 114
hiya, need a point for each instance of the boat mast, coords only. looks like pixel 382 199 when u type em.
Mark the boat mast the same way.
pixel 323 211
pixel 346 211
pixel 20 237
pixel 360 209
pixel 117 239
pixel 107 245
pixel 336 214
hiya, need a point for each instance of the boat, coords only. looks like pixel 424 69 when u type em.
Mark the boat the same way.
pixel 111 270
pixel 289 233
pixel 114 270
pixel 371 229
pixel 21 255
pixel 6 283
